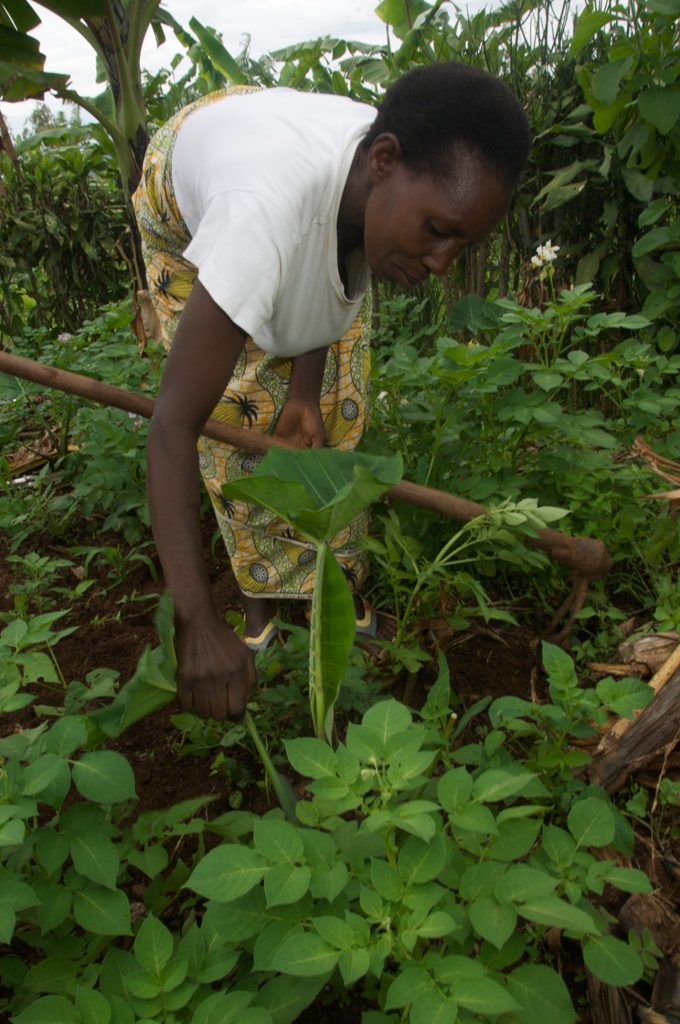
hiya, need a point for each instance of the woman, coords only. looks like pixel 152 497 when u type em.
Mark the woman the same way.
pixel 263 213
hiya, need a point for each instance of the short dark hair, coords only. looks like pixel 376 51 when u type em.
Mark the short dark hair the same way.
pixel 435 109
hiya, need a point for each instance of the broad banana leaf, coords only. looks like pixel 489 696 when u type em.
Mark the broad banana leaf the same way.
pixel 331 637
pixel 318 491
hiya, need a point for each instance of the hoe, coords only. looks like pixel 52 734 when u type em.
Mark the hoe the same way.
pixel 586 556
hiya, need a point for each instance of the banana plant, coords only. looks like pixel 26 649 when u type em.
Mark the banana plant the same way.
pixel 319 492
pixel 115 29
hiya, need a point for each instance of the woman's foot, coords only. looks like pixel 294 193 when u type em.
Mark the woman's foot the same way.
pixel 260 630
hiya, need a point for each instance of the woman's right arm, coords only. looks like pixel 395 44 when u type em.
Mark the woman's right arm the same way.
pixel 215 670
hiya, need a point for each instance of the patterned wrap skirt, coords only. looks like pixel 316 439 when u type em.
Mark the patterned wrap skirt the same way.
pixel 268 558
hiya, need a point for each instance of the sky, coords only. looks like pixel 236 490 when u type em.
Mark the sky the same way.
pixel 270 23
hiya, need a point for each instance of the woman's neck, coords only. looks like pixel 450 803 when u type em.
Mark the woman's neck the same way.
pixel 350 226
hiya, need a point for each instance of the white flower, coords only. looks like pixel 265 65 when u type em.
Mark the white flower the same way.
pixel 545 254
pixel 65 336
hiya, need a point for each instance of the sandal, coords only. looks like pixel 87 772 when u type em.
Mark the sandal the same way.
pixel 263 639
pixel 366 623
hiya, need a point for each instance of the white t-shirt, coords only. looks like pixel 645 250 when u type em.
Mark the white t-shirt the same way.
pixel 258 178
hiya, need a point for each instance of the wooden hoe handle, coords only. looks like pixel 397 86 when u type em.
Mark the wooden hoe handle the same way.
pixel 588 556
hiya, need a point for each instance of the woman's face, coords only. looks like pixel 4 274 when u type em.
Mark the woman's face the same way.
pixel 415 225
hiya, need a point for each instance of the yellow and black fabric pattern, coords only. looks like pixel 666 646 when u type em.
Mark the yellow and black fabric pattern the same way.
pixel 268 558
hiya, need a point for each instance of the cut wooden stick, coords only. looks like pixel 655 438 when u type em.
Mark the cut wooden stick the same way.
pixel 631 745
pixel 657 683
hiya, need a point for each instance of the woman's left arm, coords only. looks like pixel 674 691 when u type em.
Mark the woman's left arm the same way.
pixel 300 421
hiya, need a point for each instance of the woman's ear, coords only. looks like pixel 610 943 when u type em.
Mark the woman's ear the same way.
pixel 384 155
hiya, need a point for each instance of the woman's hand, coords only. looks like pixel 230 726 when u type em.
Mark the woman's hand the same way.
pixel 301 424
pixel 216 672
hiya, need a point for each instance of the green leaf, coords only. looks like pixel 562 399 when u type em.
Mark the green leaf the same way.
pixel 231 1008
pixel 541 995
pixel 92 1006
pixel 319 491
pixel 96 858
pixel 520 882
pixel 638 184
pixel 66 735
pixel 22 15
pixel 407 986
pixel 657 238
pixel 607 79
pixel 101 911
pixel 439 695
pixel 548 380
pixel 421 861
pixel 15 894
pixel 153 945
pixel 216 965
pixel 475 818
pixel 55 905
pixel 515 838
pixel 12 833
pixel 332 628
pixel 497 784
pixel 494 921
pixel 454 789
pixel 587 24
pixel 39 666
pixel 285 794
pixel 353 964
pixel 219 56
pixel 286 1002
pixel 450 969
pixel 433 1008
pixel 387 718
pixel 286 883
pixel 271 938
pixel 550 910
pixel 143 985
pixel 305 955
pixel 49 1010
pixel 400 15
pixel 559 666
pixel 328 883
pixel 363 743
pixel 45 771
pixel 592 822
pixel 227 872
pixel 278 841
pixel 105 777
pixel 52 848
pixel 151 860
pixel 612 961
pixel 559 847
pixel 52 975
pixel 483 996
pixel 660 105
pixel 628 879
pixel 335 931
pixel 311 757
pixel 385 880
pixel 479 879
pixel 624 696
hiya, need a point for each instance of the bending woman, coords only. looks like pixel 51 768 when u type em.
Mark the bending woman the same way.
pixel 262 213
